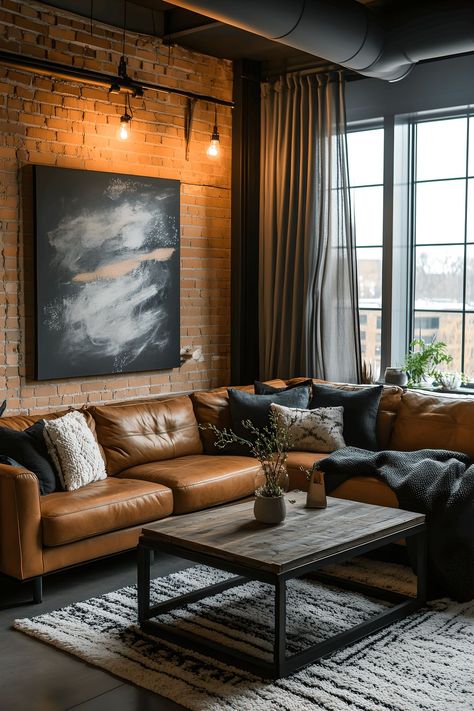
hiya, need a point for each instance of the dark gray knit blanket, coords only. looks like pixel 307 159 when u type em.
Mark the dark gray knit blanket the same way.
pixel 437 483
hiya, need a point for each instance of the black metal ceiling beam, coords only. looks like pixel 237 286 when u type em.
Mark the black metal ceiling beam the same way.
pixel 86 76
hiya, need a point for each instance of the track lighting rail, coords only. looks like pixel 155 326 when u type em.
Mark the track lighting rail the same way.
pixel 86 76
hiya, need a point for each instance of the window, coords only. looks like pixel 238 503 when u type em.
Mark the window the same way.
pixel 443 235
pixel 366 168
pixel 431 243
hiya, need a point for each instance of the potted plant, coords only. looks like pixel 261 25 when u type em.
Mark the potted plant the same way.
pixel 422 361
pixel 270 446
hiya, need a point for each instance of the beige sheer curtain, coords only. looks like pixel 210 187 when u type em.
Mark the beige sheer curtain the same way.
pixel 307 272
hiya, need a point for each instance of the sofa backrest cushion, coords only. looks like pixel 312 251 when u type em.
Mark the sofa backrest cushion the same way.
pixel 146 432
pixel 432 421
pixel 388 406
pixel 360 411
pixel 212 407
pixel 22 422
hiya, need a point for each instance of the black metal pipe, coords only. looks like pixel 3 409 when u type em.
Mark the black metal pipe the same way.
pixel 86 76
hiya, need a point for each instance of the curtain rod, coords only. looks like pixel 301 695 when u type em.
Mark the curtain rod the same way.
pixel 304 71
pixel 86 76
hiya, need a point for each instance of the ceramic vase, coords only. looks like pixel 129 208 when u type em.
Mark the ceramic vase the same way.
pixel 270 509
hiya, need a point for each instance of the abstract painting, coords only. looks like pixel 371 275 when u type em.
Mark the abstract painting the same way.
pixel 107 273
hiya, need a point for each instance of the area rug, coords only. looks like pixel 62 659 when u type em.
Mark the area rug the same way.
pixel 424 662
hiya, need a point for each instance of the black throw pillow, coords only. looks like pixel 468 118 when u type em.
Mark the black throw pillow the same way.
pixel 3 407
pixel 264 389
pixel 11 462
pixel 360 412
pixel 28 448
pixel 247 406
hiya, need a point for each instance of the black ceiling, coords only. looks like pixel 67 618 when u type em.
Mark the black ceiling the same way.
pixel 194 31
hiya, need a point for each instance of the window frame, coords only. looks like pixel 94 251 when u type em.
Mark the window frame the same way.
pixel 399 230
pixel 413 122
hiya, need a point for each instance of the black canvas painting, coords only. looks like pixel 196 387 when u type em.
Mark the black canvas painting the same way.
pixel 107 273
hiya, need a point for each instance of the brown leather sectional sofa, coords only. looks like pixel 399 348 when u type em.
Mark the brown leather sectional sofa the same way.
pixel 160 463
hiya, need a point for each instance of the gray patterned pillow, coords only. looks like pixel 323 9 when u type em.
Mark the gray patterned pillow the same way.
pixel 318 430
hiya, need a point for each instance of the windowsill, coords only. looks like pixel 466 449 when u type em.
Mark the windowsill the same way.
pixel 467 392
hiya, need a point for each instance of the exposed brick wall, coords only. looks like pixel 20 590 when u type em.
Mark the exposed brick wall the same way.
pixel 46 121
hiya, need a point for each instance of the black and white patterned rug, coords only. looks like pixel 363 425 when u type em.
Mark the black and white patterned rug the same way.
pixel 424 663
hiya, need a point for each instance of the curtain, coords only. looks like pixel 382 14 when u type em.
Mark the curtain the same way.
pixel 308 317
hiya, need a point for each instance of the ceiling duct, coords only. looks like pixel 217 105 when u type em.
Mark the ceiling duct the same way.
pixel 347 33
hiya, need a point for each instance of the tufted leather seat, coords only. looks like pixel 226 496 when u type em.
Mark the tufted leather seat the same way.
pixel 101 507
pixel 199 481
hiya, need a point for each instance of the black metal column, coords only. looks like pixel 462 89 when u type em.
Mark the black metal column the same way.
pixel 245 221
pixel 421 567
pixel 279 652
pixel 143 582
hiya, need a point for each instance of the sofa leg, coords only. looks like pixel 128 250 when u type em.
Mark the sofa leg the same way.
pixel 38 589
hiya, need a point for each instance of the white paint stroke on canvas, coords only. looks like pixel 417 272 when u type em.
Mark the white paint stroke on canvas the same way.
pixel 116 256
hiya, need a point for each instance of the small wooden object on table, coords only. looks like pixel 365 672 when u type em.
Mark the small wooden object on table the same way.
pixel 229 538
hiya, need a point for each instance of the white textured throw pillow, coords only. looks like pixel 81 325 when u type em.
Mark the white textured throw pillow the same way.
pixel 74 451
pixel 318 430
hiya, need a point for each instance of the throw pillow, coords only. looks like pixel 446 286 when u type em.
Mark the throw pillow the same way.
pixel 318 430
pixel 28 448
pixel 264 389
pixel 247 406
pixel 360 412
pixel 3 407
pixel 74 450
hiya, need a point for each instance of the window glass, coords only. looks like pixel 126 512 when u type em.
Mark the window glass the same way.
pixel 471 147
pixel 470 207
pixel 440 212
pixel 470 277
pixel 368 212
pixel 369 269
pixel 439 277
pixel 443 262
pixel 441 149
pixel 365 150
pixel 469 347
pixel 366 169
pixel 370 336
pixel 446 327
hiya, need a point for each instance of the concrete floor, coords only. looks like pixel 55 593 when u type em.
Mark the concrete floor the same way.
pixel 37 677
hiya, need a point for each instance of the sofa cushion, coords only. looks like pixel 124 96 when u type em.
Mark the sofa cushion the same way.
pixel 28 448
pixel 267 389
pixel 256 408
pixel 201 481
pixel 107 505
pixel 146 432
pixel 434 421
pixel 21 422
pixel 314 430
pixel 212 407
pixel 360 412
pixel 74 450
pixel 367 490
pixel 296 462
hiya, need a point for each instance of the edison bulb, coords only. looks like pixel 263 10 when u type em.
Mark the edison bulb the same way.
pixel 213 149
pixel 124 128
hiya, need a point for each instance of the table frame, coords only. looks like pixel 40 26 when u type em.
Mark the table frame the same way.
pixel 282 665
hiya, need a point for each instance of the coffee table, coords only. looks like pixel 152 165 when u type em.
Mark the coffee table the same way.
pixel 229 538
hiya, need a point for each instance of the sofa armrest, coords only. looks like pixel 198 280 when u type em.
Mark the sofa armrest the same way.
pixel 21 554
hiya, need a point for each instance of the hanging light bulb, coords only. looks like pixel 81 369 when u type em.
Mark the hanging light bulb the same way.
pixel 125 127
pixel 214 145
